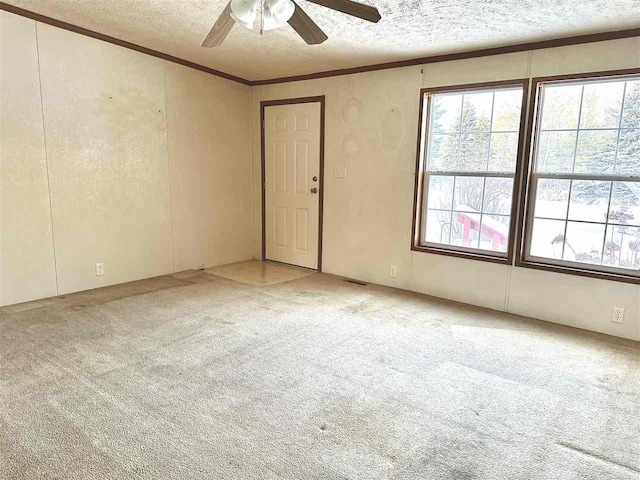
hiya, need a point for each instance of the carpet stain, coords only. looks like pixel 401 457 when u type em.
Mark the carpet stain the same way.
pixel 309 294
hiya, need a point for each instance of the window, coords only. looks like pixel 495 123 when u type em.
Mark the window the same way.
pixel 470 144
pixel 584 192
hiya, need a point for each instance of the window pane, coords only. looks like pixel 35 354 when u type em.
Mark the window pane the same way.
pixel 584 242
pixel 602 105
pixel 506 110
pixel 631 114
pixel 443 152
pixel 596 151
pixel 440 192
pixel 561 107
pixel 476 114
pixel 582 156
pixel 555 152
pixel 552 198
pixel 504 151
pixel 466 229
pixel 462 138
pixel 474 151
pixel 625 203
pixel 438 226
pixel 495 233
pixel 622 247
pixel 498 196
pixel 589 201
pixel 547 238
pixel 628 161
pixel 468 194
pixel 445 113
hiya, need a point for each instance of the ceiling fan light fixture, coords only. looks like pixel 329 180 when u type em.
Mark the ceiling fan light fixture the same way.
pixel 277 13
pixel 247 25
pixel 245 12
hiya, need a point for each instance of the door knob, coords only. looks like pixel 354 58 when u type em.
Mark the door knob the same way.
pixel 314 190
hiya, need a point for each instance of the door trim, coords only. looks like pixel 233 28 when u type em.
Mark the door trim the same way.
pixel 292 101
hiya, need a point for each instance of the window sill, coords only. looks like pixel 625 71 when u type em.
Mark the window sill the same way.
pixel 583 272
pixel 480 256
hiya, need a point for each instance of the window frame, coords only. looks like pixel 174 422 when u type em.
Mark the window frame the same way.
pixel 420 188
pixel 527 192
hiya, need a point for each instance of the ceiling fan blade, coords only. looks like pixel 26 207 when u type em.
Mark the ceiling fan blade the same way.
pixel 366 12
pixel 220 29
pixel 306 28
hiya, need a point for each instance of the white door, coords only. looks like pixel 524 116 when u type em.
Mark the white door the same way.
pixel 292 183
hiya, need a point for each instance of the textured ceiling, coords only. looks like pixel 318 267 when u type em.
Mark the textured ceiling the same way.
pixel 408 29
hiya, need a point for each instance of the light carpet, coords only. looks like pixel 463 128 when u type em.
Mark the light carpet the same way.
pixel 192 376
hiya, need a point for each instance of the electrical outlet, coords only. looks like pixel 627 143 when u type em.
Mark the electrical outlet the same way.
pixel 99 269
pixel 393 271
pixel 618 315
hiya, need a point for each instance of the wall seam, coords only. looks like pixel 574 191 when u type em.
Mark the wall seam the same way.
pixel 251 157
pixel 46 160
pixel 507 292
pixel 166 131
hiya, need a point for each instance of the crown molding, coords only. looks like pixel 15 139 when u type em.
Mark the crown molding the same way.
pixel 520 47
pixel 116 41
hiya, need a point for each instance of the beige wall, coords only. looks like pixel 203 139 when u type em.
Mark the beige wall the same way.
pixel 372 125
pixel 108 155
pixel 209 160
pixel 111 156
pixel 27 267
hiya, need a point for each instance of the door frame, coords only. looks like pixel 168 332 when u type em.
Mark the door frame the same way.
pixel 292 101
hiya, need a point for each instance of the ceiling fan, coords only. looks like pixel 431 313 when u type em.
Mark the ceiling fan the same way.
pixel 277 13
